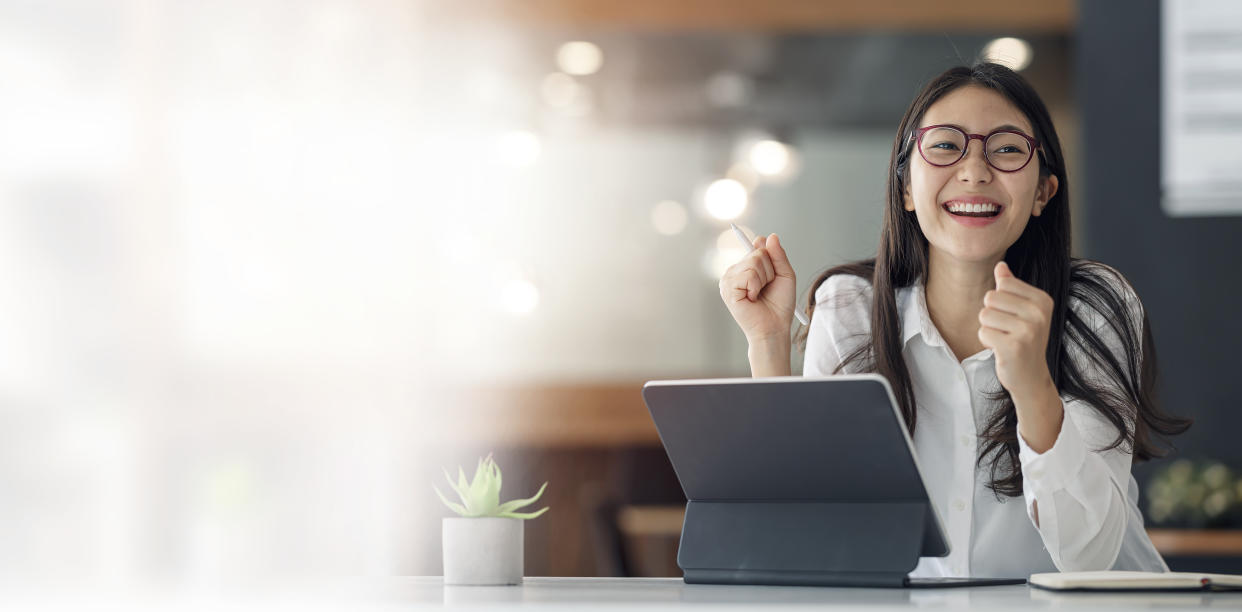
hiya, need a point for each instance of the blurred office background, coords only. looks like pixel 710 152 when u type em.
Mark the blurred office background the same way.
pixel 267 267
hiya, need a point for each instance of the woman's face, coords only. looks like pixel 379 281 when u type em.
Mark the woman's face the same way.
pixel 931 189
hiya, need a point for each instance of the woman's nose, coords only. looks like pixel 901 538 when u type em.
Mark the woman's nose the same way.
pixel 974 168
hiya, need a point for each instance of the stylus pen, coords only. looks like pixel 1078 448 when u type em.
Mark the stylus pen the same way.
pixel 751 246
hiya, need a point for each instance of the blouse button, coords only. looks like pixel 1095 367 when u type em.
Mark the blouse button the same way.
pixel 965 440
pixel 959 505
pixel 961 375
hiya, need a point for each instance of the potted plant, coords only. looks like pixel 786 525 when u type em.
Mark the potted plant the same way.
pixel 483 546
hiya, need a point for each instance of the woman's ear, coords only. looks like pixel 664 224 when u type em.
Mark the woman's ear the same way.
pixel 906 200
pixel 1044 193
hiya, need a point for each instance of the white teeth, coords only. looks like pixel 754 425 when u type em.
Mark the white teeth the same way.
pixel 976 208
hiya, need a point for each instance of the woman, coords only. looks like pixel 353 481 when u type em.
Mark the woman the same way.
pixel 1025 376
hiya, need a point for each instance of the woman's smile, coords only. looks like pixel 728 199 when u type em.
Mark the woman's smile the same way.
pixel 973 211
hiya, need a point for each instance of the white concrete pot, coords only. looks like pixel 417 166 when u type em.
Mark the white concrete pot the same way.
pixel 482 551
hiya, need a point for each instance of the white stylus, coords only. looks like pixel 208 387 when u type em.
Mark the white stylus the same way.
pixel 750 245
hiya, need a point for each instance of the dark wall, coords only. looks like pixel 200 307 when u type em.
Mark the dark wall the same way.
pixel 1188 271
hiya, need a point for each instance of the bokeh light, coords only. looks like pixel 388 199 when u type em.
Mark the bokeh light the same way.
pixel 770 157
pixel 579 58
pixel 726 199
pixel 1012 52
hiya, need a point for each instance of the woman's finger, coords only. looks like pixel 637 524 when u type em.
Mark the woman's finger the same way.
pixel 1011 303
pixel 733 283
pixel 1000 320
pixel 765 260
pixel 991 337
pixel 754 284
pixel 780 259
pixel 1018 287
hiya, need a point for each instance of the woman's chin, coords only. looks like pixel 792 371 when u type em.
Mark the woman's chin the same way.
pixel 973 254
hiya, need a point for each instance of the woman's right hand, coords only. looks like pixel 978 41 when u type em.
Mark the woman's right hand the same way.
pixel 759 291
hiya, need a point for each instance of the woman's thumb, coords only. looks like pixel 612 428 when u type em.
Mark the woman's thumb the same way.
pixel 780 261
pixel 1002 270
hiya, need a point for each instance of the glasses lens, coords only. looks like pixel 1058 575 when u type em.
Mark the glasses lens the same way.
pixel 942 146
pixel 1008 151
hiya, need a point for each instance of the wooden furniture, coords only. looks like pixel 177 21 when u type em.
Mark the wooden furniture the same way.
pixel 593 415
pixel 1197 542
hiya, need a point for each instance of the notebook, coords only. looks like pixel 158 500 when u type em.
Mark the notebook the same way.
pixel 1136 581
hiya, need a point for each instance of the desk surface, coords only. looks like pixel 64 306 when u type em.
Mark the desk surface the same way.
pixel 670 593
pixel 565 594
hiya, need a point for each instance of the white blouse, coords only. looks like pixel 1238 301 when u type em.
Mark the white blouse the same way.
pixel 1088 499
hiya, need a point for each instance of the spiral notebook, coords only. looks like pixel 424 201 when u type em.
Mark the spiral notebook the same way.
pixel 1136 581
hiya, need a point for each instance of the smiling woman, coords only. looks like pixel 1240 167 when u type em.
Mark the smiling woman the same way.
pixel 949 172
pixel 1029 373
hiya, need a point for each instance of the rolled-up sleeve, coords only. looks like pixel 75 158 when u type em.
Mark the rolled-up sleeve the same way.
pixel 1081 491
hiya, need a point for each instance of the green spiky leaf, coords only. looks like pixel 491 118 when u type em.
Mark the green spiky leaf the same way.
pixel 480 496
pixel 455 507
pixel 510 506
pixel 457 488
pixel 524 515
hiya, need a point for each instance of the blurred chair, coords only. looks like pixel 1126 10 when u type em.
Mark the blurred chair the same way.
pixel 635 530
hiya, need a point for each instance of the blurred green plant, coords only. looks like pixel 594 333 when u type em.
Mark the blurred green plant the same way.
pixel 481 496
pixel 1189 493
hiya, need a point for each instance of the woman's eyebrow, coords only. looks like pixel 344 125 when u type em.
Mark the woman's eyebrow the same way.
pixel 1007 126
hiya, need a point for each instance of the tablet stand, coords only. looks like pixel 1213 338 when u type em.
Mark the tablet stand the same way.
pixel 812 543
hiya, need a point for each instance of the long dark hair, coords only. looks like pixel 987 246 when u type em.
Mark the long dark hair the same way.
pixel 1041 257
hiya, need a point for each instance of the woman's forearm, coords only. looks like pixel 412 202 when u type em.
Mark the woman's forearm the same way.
pixel 769 358
pixel 1039 417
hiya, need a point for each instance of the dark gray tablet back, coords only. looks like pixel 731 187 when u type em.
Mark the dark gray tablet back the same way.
pixel 835 445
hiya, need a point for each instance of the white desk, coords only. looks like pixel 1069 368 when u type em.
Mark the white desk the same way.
pixel 650 594
pixel 391 594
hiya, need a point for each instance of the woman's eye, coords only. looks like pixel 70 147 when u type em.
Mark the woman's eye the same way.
pixel 948 146
pixel 1009 149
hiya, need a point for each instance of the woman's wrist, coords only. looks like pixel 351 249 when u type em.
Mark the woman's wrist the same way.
pixel 1040 416
pixel 769 357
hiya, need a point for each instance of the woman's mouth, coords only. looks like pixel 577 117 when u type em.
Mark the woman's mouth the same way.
pixel 973 214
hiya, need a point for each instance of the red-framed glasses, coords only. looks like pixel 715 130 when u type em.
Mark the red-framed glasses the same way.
pixel 1006 150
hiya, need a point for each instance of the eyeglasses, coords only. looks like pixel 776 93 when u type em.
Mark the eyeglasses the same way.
pixel 1004 149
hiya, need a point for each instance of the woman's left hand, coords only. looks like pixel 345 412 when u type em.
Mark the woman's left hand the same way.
pixel 1014 324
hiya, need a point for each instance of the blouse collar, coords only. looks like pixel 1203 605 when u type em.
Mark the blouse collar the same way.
pixel 915 319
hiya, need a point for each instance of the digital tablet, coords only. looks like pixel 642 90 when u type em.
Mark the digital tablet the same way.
pixel 797 480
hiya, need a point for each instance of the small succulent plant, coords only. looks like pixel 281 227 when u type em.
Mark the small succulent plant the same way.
pixel 481 496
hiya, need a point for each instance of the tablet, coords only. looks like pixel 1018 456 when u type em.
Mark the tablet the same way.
pixel 797 480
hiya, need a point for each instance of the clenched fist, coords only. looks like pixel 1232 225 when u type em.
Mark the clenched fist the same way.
pixel 759 291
